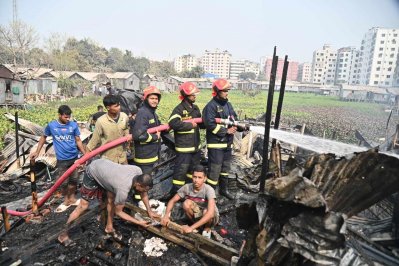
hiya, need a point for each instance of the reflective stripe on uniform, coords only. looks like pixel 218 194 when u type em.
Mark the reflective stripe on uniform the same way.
pixel 186 132
pixel 137 197
pixel 149 138
pixel 217 145
pixel 149 160
pixel 224 174
pixel 212 182
pixel 189 176
pixel 185 149
pixel 174 116
pixel 178 182
pixel 217 128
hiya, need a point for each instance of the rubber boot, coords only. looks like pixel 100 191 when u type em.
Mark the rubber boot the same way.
pixel 224 188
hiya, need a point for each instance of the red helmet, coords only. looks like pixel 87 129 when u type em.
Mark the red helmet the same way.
pixel 219 85
pixel 151 90
pixel 187 88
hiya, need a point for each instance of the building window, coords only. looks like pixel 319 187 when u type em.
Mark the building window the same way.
pixel 378 62
pixel 375 82
pixel 389 68
pixel 383 35
pixel 379 55
pixel 376 75
pixel 378 69
pixel 381 48
pixel 388 76
pixel 382 42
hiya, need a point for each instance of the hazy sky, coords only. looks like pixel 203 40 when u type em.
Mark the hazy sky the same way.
pixel 249 29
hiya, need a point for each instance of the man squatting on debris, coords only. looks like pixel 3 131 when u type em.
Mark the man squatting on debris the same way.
pixel 199 203
pixel 66 140
pixel 116 184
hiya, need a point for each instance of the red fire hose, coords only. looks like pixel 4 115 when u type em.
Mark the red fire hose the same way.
pixel 93 153
pixel 70 170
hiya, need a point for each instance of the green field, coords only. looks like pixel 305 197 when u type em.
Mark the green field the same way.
pixel 323 115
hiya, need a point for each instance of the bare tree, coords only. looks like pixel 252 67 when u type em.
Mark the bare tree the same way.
pixel 18 37
pixel 54 46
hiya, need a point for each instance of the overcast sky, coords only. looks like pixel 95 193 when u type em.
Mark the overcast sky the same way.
pixel 248 29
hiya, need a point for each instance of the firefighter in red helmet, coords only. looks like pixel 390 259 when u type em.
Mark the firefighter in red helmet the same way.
pixel 219 138
pixel 187 135
pixel 147 145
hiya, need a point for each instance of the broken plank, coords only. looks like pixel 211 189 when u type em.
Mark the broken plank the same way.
pixel 194 242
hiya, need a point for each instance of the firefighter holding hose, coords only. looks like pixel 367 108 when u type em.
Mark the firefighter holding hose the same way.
pixel 187 135
pixel 220 137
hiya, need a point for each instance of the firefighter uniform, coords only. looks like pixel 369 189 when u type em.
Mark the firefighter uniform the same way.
pixel 187 141
pixel 219 143
pixel 146 146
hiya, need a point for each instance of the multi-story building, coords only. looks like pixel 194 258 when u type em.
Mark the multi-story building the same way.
pixel 252 67
pixel 292 71
pixel 217 62
pixel 346 66
pixel 304 72
pixel 240 66
pixel 185 62
pixel 324 65
pixel 378 58
pixel 236 68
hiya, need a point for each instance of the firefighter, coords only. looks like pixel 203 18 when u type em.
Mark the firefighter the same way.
pixel 146 145
pixel 219 138
pixel 187 135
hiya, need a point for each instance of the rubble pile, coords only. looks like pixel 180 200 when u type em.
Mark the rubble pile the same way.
pixel 317 209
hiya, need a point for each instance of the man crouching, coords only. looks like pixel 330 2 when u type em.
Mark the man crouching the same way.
pixel 199 203
pixel 115 180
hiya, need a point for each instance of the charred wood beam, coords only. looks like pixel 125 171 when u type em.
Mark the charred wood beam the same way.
pixel 194 242
pixel 281 96
pixel 50 233
pixel 268 119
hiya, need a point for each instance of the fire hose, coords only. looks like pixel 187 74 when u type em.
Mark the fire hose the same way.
pixel 87 156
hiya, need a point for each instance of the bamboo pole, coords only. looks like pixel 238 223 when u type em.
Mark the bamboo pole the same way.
pixel 33 187
pixel 6 218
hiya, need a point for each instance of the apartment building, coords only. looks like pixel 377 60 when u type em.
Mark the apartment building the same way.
pixel 292 71
pixel 378 58
pixel 324 65
pixel 217 62
pixel 346 65
pixel 185 62
pixel 304 72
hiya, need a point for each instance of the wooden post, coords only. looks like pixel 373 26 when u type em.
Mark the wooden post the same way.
pixel 5 218
pixel 17 139
pixel 33 187
pixel 268 118
pixel 249 144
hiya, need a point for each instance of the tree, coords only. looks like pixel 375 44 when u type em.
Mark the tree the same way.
pixel 195 72
pixel 18 37
pixel 262 76
pixel 37 57
pixel 162 69
pixel 247 76
pixel 54 46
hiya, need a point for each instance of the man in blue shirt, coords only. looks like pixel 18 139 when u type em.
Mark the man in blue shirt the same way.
pixel 66 141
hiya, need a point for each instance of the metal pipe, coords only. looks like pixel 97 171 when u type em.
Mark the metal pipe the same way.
pixel 268 118
pixel 17 139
